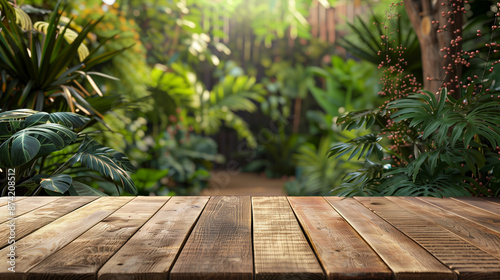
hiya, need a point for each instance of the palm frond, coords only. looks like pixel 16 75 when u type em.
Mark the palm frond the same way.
pixel 439 185
pixel 360 119
pixel 363 145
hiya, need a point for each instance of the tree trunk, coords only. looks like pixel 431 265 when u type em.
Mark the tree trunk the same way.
pixel 438 24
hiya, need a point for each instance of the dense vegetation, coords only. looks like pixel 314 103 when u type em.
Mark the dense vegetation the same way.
pixel 129 98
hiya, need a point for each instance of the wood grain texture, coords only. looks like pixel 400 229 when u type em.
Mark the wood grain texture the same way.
pixel 341 251
pixel 466 211
pixel 26 205
pixel 81 258
pixel 220 245
pixel 492 199
pixel 481 237
pixel 481 203
pixel 150 253
pixel 468 261
pixel 34 248
pixel 4 200
pixel 280 248
pixel 405 258
pixel 44 215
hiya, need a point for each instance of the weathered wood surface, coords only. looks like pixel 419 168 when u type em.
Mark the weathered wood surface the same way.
pixel 280 247
pixel 468 261
pixel 403 256
pixel 220 245
pixel 340 250
pixel 241 237
pixel 151 252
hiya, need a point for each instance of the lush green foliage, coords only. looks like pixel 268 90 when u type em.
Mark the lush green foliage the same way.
pixel 317 173
pixel 341 85
pixel 43 148
pixel 372 40
pixel 446 147
pixel 207 111
pixel 39 69
pixel 424 144
pixel 46 66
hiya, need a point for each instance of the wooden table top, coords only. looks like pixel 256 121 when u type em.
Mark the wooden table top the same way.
pixel 242 237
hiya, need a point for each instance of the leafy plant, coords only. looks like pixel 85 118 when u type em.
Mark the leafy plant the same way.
pixel 36 143
pixel 317 173
pixel 371 41
pixel 207 111
pixel 189 159
pixel 275 155
pixel 446 147
pixel 38 67
pixel 423 143
pixel 345 86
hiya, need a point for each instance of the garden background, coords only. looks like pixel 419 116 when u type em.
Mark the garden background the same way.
pixel 322 93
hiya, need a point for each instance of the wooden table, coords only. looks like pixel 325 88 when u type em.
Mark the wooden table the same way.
pixel 241 237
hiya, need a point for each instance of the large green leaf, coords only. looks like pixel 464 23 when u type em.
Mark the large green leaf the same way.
pixel 34 141
pixel 81 189
pixel 70 120
pixel 24 148
pixel 96 157
pixel 57 183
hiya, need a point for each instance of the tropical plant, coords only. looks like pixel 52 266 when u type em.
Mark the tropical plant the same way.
pixel 317 174
pixel 346 85
pixel 446 147
pixel 130 65
pixel 43 149
pixel 371 39
pixel 39 66
pixel 274 156
pixel 427 144
pixel 207 111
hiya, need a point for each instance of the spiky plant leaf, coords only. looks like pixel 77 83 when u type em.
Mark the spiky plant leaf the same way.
pixel 359 119
pixel 363 145
pixel 438 185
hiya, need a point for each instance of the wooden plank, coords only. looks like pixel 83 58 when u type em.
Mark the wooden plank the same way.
pixel 150 253
pixel 26 205
pixel 482 203
pixel 468 261
pixel 471 213
pixel 492 199
pixel 81 258
pixel 481 237
pixel 220 246
pixel 341 251
pixel 4 200
pixel 42 216
pixel 34 248
pixel 280 248
pixel 405 258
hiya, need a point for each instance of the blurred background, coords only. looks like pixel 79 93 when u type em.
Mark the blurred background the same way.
pixel 226 97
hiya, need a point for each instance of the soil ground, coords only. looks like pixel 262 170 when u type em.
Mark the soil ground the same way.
pixel 238 183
